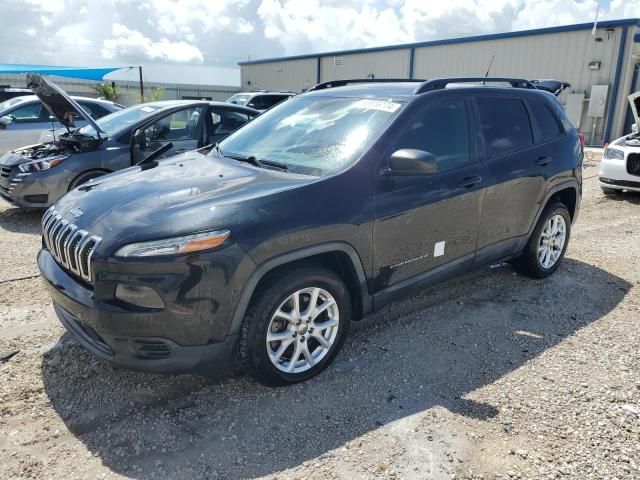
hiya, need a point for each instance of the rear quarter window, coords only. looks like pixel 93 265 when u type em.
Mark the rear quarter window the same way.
pixel 547 122
pixel 505 125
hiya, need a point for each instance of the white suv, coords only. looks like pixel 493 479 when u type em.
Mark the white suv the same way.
pixel 620 165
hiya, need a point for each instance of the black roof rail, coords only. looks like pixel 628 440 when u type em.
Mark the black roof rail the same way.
pixel 342 83
pixel 440 83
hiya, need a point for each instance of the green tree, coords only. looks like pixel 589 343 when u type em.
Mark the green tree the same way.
pixel 106 90
pixel 155 95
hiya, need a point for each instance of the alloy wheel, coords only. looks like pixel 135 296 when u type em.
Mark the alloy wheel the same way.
pixel 552 240
pixel 302 330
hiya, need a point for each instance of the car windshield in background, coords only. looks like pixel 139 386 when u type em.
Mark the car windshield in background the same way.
pixel 10 103
pixel 313 135
pixel 239 99
pixel 121 119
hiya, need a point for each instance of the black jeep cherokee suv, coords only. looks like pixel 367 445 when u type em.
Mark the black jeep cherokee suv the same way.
pixel 318 212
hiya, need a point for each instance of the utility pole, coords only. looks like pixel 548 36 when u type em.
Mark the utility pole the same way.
pixel 141 84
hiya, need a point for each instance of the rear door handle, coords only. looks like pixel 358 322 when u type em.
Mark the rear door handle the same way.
pixel 469 182
pixel 542 161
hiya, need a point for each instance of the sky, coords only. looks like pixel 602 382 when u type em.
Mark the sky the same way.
pixel 223 32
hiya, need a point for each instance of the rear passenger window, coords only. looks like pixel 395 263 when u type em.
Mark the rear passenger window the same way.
pixel 546 120
pixel 442 129
pixel 505 124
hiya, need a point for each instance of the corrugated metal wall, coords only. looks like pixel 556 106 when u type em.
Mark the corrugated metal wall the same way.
pixel 562 55
pixel 387 64
pixel 291 75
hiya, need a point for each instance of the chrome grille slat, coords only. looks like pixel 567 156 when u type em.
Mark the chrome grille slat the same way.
pixel 71 247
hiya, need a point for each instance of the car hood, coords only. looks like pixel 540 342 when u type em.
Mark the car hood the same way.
pixel 61 105
pixel 634 102
pixel 182 194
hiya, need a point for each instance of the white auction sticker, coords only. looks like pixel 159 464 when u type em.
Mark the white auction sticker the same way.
pixel 378 105
pixel 148 109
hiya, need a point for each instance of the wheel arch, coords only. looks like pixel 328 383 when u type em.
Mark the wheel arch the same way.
pixel 341 257
pixel 103 171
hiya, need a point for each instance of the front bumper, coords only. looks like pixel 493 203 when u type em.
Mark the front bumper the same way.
pixel 17 188
pixel 111 332
pixel 614 174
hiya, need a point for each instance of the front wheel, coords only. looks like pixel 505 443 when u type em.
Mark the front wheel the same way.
pixel 84 178
pixel 546 247
pixel 296 326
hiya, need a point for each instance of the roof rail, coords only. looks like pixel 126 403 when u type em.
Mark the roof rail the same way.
pixel 439 83
pixel 342 83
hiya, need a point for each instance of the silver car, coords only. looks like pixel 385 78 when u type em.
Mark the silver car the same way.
pixel 35 176
pixel 24 120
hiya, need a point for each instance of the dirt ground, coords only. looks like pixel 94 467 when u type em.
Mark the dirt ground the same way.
pixel 491 376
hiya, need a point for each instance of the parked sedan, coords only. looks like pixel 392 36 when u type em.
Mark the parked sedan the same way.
pixel 24 120
pixel 37 175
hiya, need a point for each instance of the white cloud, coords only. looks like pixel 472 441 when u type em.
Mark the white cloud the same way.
pixel 127 43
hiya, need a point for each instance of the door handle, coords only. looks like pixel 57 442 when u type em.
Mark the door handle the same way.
pixel 469 182
pixel 542 161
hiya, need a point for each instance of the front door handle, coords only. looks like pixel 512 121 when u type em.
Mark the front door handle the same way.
pixel 469 182
pixel 542 161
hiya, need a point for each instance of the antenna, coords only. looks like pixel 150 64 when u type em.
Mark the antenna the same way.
pixel 595 22
pixel 489 69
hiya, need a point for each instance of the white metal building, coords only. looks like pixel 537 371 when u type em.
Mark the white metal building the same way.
pixel 602 68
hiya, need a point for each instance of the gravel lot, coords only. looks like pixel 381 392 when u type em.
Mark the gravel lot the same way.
pixel 490 376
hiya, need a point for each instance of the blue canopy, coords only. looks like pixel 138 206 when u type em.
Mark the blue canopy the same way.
pixel 73 72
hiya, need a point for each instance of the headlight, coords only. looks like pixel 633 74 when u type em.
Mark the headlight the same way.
pixel 41 164
pixel 613 154
pixel 175 245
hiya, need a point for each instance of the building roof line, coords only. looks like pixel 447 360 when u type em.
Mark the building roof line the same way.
pixel 449 41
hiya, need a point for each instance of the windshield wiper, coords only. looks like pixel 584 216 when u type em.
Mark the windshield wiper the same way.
pixel 255 161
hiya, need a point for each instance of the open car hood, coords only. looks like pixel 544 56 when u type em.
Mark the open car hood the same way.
pixel 634 101
pixel 61 105
pixel 553 86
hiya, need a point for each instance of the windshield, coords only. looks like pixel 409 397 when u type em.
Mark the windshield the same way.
pixel 118 120
pixel 313 135
pixel 239 99
pixel 11 102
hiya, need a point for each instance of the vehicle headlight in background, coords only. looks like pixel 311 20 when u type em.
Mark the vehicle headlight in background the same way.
pixel 613 154
pixel 41 164
pixel 176 245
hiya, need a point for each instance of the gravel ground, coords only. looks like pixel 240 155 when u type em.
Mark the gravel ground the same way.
pixel 491 376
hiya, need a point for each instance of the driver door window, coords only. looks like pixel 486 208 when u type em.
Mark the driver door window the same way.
pixel 441 128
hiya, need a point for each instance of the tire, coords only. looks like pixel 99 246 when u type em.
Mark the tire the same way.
pixel 85 177
pixel 299 331
pixel 530 262
pixel 609 191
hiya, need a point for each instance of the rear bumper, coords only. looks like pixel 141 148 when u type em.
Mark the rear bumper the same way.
pixel 96 326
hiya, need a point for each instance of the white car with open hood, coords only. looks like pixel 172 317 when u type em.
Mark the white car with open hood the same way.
pixel 620 165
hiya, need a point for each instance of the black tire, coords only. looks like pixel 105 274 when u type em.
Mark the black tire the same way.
pixel 85 177
pixel 253 346
pixel 528 263
pixel 609 192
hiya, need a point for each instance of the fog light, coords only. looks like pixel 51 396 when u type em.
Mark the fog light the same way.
pixel 139 295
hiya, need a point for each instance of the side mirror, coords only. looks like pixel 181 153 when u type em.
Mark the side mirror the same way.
pixel 634 128
pixel 251 105
pixel 6 120
pixel 140 139
pixel 409 161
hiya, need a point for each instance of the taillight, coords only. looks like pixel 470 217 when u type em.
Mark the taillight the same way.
pixel 583 139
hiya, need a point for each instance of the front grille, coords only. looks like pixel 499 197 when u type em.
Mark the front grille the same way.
pixel 72 247
pixel 633 164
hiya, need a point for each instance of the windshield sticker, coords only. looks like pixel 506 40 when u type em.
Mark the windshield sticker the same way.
pixel 378 105
pixel 148 109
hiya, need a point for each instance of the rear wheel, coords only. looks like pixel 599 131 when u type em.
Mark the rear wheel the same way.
pixel 296 327
pixel 548 243
pixel 84 178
